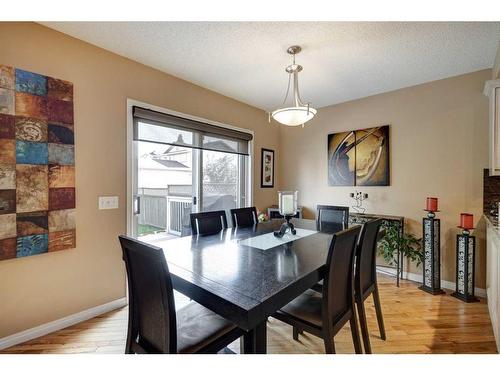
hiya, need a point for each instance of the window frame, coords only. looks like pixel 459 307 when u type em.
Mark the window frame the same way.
pixel 132 162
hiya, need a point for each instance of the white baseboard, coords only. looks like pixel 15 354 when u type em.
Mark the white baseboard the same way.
pixel 56 325
pixel 418 278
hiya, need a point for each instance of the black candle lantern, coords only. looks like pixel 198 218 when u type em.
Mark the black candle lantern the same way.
pixel 287 208
pixel 466 254
pixel 432 246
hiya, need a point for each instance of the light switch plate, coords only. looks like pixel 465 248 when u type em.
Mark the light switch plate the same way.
pixel 108 203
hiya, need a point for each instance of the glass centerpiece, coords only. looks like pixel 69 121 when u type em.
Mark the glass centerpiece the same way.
pixel 288 208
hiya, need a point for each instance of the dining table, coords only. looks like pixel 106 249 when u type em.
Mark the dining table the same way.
pixel 247 274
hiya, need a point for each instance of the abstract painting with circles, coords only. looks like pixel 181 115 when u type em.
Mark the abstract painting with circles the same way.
pixel 37 164
pixel 359 157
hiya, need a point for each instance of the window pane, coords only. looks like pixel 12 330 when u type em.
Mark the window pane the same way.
pixel 164 188
pixel 154 133
pixel 220 178
pixel 220 144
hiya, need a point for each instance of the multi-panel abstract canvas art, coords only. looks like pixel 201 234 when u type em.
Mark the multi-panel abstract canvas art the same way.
pixel 37 164
pixel 359 157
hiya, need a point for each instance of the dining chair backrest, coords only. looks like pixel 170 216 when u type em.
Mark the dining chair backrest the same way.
pixel 152 318
pixel 366 255
pixel 244 217
pixel 338 285
pixel 331 218
pixel 208 222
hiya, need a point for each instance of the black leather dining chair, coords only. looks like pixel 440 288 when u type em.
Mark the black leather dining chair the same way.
pixel 244 217
pixel 331 218
pixel 208 222
pixel 153 324
pixel 323 315
pixel 365 281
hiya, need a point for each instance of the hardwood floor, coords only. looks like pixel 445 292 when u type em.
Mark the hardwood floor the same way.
pixel 416 322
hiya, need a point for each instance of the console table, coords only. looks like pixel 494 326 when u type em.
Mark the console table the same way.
pixel 399 221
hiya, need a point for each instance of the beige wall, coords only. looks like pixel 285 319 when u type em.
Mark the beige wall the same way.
pixel 439 144
pixel 46 287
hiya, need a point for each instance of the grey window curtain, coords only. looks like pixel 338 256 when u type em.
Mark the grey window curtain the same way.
pixel 157 127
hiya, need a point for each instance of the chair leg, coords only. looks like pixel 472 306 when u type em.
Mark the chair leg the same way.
pixel 378 310
pixel 364 326
pixel 128 347
pixel 131 335
pixel 355 332
pixel 242 345
pixel 329 345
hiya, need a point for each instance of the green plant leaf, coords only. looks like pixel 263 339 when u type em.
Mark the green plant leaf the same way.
pixel 409 245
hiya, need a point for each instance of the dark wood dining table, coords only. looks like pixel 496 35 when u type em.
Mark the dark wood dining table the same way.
pixel 246 284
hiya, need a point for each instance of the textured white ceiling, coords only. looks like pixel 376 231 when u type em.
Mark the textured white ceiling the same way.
pixel 342 60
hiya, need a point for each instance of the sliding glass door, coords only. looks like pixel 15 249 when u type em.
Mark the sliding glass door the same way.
pixel 172 179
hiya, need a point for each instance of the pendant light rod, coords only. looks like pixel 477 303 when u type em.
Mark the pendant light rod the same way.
pixel 296 88
pixel 297 113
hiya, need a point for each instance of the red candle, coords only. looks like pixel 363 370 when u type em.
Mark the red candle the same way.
pixel 466 221
pixel 432 204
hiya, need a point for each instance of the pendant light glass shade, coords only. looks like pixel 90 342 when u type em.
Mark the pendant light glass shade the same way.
pixel 294 116
pixel 298 113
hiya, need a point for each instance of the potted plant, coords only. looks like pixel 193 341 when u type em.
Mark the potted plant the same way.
pixel 409 245
pixel 262 217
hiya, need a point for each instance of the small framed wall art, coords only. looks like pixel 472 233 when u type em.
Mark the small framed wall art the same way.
pixel 267 168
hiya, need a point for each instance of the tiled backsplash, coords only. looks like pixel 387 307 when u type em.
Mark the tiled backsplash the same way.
pixel 491 185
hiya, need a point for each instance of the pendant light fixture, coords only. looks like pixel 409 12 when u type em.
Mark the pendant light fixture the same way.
pixel 298 113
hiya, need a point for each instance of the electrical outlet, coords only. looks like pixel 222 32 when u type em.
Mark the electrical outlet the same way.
pixel 108 203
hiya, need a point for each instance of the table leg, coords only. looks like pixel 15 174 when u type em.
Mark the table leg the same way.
pixel 398 265
pixel 401 268
pixel 255 340
pixel 401 259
